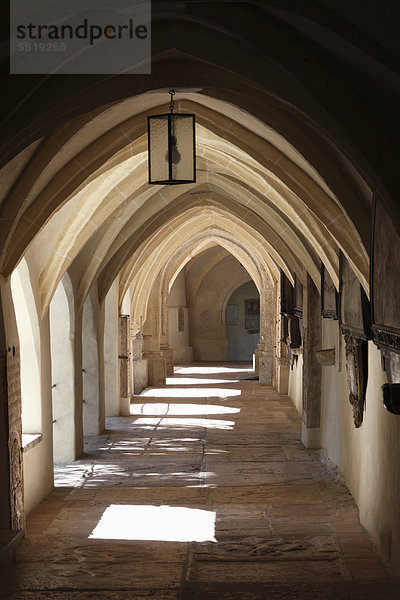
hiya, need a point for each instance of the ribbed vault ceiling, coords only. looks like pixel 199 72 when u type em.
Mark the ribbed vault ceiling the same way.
pixel 83 200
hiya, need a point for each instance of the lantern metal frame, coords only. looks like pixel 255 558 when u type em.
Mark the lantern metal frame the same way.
pixel 170 116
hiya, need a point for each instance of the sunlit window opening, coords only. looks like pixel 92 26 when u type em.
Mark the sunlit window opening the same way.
pixel 155 523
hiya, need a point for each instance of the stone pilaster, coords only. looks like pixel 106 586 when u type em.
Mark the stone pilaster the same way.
pixel 312 370
pixel 124 374
pixel 264 355
pixel 10 374
pixel 168 354
pixel 156 368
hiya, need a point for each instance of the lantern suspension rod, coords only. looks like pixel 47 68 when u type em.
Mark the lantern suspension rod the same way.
pixel 171 104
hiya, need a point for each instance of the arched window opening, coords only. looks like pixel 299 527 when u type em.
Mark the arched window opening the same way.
pixel 29 340
pixel 62 371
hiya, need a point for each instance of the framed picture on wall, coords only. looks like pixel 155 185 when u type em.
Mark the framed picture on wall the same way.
pixel 329 296
pixel 385 278
pixel 252 314
pixel 354 307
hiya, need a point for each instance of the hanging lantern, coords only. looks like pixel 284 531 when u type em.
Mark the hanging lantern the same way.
pixel 172 147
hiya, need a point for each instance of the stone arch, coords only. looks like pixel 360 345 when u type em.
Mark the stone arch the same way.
pixel 29 340
pixel 312 189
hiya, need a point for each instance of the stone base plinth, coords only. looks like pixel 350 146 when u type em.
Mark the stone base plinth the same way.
pixel 124 407
pixel 310 438
pixel 183 355
pixel 157 371
pixel 139 375
pixel 9 542
pixel 265 368
pixel 283 379
pixel 168 355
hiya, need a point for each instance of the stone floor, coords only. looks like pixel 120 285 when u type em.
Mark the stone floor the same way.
pixel 211 448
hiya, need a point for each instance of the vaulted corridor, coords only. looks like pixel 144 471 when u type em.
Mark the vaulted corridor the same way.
pixel 204 492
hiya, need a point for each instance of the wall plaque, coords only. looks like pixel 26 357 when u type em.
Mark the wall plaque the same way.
pixel 329 296
pixel 294 338
pixel 252 314
pixel 287 296
pixel 298 296
pixel 385 281
pixel 357 375
pixel 354 308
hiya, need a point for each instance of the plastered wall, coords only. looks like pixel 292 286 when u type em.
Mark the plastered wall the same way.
pixel 367 457
pixel 207 310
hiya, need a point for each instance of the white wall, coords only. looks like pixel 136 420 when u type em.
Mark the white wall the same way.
pixel 368 457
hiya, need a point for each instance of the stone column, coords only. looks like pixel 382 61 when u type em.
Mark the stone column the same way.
pixel 139 374
pixel 124 375
pixel 166 352
pixel 93 412
pixel 264 355
pixel 312 371
pixel 12 515
pixel 156 362
pixel 282 355
pixel 78 369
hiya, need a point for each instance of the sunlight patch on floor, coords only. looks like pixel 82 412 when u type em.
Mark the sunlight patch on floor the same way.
pixel 195 381
pixel 189 393
pixel 155 523
pixel 164 408
pixel 210 370
pixel 167 422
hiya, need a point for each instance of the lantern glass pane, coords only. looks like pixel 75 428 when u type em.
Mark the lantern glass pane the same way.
pixel 182 155
pixel 158 129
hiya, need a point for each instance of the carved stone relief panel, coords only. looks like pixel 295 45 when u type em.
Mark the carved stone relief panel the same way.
pixel 15 438
pixel 329 295
pixel 252 314
pixel 357 374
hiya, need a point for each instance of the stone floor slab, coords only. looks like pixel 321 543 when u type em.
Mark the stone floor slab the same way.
pixel 284 527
